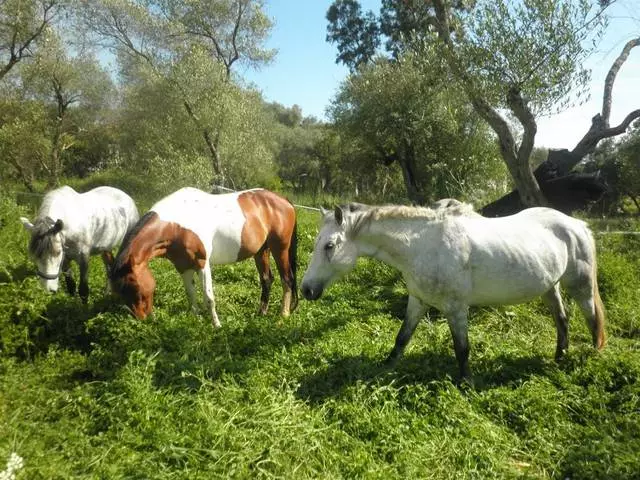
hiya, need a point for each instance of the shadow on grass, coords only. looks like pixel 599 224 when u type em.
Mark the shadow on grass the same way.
pixel 412 369
pixel 62 323
pixel 235 351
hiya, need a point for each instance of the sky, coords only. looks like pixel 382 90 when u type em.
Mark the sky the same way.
pixel 304 71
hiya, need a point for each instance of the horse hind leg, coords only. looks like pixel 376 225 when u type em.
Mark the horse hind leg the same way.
pixel 553 300
pixel 591 306
pixel 584 291
pixel 266 277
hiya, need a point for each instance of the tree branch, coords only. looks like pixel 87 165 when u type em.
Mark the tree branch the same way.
pixel 611 77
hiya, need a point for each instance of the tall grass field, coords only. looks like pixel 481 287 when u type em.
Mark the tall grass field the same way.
pixel 90 392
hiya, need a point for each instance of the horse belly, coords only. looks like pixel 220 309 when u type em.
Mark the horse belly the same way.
pixel 515 275
pixel 226 243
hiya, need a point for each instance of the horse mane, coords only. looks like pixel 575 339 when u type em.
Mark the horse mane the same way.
pixel 41 241
pixel 125 247
pixel 384 212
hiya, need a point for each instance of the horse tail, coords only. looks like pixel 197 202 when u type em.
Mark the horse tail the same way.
pixel 599 336
pixel 293 261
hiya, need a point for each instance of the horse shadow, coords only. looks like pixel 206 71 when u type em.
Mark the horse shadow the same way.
pixel 430 368
pixel 62 323
pixel 235 351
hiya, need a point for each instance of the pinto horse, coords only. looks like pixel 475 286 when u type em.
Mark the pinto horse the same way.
pixel 195 229
pixel 452 258
pixel 72 226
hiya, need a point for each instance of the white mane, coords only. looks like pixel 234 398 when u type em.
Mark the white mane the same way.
pixel 364 218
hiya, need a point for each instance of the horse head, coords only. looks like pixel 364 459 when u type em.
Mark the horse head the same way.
pixel 334 254
pixel 46 246
pixel 135 284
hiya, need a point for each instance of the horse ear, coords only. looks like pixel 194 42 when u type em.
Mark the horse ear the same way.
pixel 323 211
pixel 27 224
pixel 58 226
pixel 338 213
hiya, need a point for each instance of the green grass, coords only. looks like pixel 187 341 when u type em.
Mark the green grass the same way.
pixel 88 392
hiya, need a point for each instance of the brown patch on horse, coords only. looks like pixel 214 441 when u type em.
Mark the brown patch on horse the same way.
pixel 270 225
pixel 267 216
pixel 153 237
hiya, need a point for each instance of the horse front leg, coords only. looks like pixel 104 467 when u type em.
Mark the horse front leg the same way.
pixel 415 311
pixel 459 327
pixel 83 263
pixel 107 259
pixel 207 288
pixel 189 281
pixel 68 276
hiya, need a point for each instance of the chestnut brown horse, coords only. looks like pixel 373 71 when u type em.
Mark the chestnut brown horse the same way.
pixel 195 229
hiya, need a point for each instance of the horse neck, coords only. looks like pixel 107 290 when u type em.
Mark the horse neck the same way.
pixel 150 243
pixel 390 240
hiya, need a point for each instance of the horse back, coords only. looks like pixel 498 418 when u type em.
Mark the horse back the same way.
pixel 513 259
pixel 231 226
pixel 94 221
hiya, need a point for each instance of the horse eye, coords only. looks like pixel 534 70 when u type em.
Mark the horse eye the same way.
pixel 329 246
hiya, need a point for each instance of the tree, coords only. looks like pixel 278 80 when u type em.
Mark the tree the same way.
pixel 356 34
pixel 522 56
pixel 566 190
pixel 157 136
pixel 411 118
pixel 162 34
pixel 400 23
pixel 62 81
pixel 22 24
pixel 25 143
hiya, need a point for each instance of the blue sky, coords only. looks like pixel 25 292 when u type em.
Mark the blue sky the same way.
pixel 305 73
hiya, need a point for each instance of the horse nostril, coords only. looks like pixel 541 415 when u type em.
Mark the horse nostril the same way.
pixel 306 292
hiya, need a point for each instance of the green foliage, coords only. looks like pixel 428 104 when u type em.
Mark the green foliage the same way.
pixel 618 162
pixel 406 110
pixel 540 46
pixel 22 25
pixel 90 392
pixel 355 33
pixel 24 141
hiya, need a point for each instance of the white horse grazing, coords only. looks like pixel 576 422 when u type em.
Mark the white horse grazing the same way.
pixel 73 226
pixel 452 258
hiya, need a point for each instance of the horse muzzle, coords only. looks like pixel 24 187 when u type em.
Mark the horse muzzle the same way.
pixel 312 292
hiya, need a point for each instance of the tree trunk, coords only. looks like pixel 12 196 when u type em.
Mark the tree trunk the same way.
pixel 407 161
pixel 212 144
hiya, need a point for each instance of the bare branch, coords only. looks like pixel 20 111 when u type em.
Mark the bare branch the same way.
pixel 611 77
pixel 523 113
